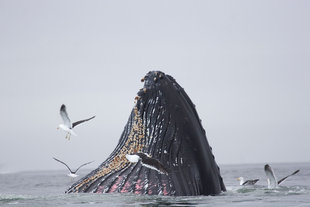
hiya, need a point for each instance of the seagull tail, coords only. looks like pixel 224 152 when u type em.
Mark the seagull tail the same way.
pixel 73 133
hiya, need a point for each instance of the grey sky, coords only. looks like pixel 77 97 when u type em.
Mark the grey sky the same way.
pixel 245 64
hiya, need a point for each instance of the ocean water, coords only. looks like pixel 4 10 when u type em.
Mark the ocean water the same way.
pixel 46 188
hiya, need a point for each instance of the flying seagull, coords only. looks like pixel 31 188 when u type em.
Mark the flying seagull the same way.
pixel 148 162
pixel 68 126
pixel 247 182
pixel 72 173
pixel 271 178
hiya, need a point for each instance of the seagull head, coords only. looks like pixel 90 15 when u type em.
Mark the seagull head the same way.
pixel 241 179
pixel 132 158
pixel 63 127
pixel 60 126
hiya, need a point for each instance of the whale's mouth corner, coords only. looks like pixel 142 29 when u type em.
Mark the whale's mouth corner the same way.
pixel 164 125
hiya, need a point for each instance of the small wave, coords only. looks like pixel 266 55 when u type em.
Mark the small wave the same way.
pixel 292 190
pixel 13 199
pixel 262 190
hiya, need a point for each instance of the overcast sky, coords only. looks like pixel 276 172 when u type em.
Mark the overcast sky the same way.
pixel 245 64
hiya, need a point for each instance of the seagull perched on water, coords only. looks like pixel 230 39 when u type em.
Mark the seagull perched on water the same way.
pixel 271 178
pixel 68 126
pixel 148 162
pixel 247 182
pixel 72 174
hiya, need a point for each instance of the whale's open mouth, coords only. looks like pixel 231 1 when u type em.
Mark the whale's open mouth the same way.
pixel 165 125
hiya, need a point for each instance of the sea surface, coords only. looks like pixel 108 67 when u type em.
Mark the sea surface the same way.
pixel 46 188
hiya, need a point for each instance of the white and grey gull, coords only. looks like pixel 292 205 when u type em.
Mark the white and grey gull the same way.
pixel 148 162
pixel 272 179
pixel 72 173
pixel 247 182
pixel 68 125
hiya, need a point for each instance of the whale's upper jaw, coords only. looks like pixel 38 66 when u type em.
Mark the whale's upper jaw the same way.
pixel 164 124
pixel 155 79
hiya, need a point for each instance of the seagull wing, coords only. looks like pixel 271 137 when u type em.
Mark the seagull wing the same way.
pixel 64 116
pixel 254 181
pixel 271 178
pixel 79 122
pixel 155 164
pixel 250 182
pixel 64 164
pixel 82 166
pixel 246 183
pixel 281 180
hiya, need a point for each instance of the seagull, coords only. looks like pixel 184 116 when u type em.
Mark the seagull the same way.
pixel 148 162
pixel 68 126
pixel 72 174
pixel 247 182
pixel 271 178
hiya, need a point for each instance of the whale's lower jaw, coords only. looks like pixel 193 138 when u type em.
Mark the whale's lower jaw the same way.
pixel 165 125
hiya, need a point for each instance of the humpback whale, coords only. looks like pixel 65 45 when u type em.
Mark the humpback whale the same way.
pixel 165 125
